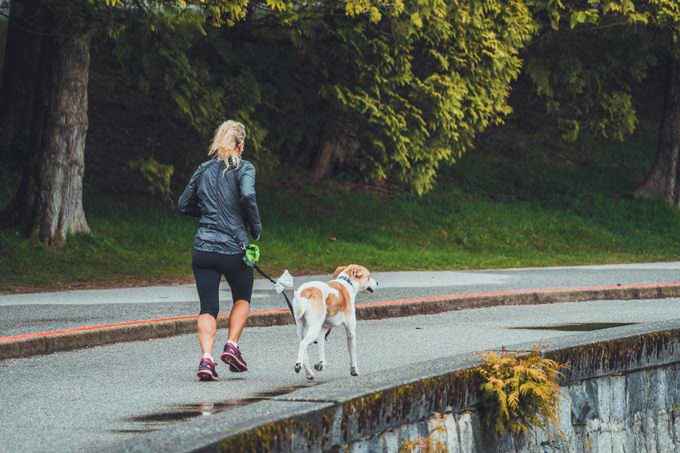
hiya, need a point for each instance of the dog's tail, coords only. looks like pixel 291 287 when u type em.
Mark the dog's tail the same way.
pixel 300 305
pixel 284 282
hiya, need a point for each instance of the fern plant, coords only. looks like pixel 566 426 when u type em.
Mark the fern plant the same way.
pixel 519 392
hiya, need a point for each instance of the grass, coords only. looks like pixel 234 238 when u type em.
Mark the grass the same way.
pixel 529 207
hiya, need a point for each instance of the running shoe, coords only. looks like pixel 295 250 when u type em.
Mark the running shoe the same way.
pixel 206 370
pixel 232 357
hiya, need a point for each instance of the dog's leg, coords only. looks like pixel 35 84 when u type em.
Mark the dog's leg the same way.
pixel 312 332
pixel 302 333
pixel 322 352
pixel 299 326
pixel 309 374
pixel 302 353
pixel 350 329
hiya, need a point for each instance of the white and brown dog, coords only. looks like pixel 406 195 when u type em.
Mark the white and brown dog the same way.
pixel 320 306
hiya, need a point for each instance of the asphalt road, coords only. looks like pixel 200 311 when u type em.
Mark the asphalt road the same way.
pixel 44 311
pixel 89 399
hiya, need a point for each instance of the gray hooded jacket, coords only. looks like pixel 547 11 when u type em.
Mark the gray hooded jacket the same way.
pixel 226 204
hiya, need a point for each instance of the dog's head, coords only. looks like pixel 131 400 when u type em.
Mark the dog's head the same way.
pixel 359 276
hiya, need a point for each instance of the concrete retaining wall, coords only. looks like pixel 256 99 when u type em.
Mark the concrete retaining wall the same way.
pixel 636 412
pixel 621 393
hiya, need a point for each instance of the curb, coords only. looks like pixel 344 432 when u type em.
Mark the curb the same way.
pixel 38 343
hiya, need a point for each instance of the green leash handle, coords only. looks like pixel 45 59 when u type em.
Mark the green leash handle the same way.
pixel 251 255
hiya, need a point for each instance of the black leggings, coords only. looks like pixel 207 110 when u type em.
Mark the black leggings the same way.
pixel 208 269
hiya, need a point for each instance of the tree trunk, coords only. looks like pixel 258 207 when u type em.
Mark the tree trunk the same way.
pixel 662 181
pixel 20 71
pixel 323 164
pixel 336 147
pixel 44 118
pixel 24 71
pixel 59 204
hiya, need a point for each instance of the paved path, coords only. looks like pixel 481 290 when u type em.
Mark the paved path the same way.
pixel 88 399
pixel 45 311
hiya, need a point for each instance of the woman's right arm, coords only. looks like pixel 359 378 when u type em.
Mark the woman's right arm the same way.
pixel 249 200
pixel 188 201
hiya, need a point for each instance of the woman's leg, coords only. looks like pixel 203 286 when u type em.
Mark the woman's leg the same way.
pixel 207 329
pixel 207 285
pixel 237 319
pixel 240 280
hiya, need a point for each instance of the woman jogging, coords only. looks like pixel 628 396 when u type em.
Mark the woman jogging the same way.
pixel 221 193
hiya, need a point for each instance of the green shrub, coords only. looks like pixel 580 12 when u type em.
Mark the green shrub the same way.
pixel 157 176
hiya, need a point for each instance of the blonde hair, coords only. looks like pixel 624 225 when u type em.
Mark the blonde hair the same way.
pixel 225 143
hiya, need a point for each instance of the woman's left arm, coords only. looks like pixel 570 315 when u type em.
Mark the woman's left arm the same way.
pixel 188 201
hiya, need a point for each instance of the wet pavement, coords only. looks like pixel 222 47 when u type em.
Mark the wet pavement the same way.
pixel 182 412
pixel 90 399
pixel 23 313
pixel 579 327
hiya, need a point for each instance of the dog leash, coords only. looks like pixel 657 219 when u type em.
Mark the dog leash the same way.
pixel 290 307
pixel 285 296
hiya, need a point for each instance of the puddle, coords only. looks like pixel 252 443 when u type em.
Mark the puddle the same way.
pixel 183 412
pixel 283 390
pixel 132 431
pixel 187 411
pixel 579 327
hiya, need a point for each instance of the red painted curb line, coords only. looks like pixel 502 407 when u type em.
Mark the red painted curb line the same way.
pixel 26 345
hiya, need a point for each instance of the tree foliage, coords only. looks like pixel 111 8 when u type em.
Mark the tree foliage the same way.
pixel 416 89
pixel 590 56
pixel 391 89
pixel 588 89
pixel 44 91
pixel 384 90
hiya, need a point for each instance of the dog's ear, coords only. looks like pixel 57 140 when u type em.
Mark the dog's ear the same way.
pixel 358 272
pixel 339 270
pixel 354 271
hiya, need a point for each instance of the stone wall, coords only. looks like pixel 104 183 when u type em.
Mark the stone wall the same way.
pixel 636 412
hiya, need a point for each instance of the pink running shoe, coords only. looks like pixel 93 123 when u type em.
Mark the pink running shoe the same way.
pixel 232 357
pixel 206 370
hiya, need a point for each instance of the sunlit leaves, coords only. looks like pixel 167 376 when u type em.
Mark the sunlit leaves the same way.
pixel 580 17
pixel 374 9
pixel 519 392
pixel 644 12
pixel 427 82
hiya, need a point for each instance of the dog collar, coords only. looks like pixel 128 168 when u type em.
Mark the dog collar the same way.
pixel 345 279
